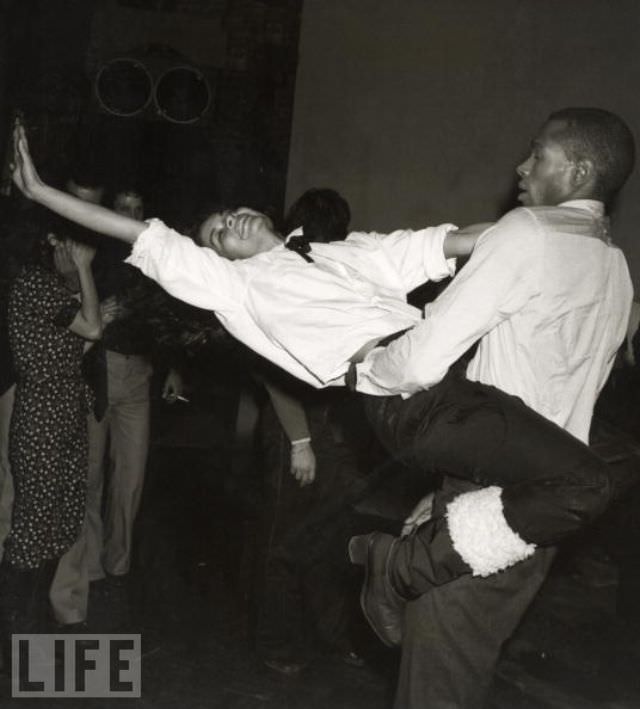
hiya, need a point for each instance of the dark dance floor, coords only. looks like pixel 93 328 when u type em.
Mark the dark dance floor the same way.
pixel 189 596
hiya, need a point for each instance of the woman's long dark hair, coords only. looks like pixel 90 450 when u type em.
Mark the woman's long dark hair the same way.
pixel 25 236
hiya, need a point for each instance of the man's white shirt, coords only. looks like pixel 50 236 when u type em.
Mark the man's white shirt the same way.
pixel 547 295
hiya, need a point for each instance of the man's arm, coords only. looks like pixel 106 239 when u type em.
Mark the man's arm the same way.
pixel 293 419
pixel 498 281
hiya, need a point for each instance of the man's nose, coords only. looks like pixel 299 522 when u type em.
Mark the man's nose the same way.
pixel 524 167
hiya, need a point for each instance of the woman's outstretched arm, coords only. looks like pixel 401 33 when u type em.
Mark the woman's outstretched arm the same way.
pixel 92 216
pixel 463 241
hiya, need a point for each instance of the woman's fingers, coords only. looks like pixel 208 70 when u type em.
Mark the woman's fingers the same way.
pixel 23 170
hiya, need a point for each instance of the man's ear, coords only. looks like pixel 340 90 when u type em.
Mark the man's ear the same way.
pixel 52 239
pixel 584 172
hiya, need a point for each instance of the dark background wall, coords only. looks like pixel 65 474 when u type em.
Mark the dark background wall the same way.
pixel 52 50
pixel 418 111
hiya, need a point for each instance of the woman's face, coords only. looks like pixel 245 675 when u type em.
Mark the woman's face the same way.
pixel 235 234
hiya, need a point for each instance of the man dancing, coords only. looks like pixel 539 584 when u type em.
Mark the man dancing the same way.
pixel 548 297
pixel 545 289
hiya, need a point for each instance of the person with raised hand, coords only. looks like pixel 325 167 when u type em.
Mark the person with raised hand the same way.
pixel 526 483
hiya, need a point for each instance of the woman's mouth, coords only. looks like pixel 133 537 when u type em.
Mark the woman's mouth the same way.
pixel 243 225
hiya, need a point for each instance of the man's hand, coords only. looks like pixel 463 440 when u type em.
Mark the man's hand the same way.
pixel 110 310
pixel 24 173
pixel 173 388
pixel 303 463
pixel 421 514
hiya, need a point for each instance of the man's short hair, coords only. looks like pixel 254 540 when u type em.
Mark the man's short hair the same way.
pixel 602 137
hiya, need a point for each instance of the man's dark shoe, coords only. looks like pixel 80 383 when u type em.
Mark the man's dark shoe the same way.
pixel 381 604
pixel 285 667
pixel 351 658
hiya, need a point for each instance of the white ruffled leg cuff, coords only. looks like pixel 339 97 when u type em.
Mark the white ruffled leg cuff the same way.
pixel 480 533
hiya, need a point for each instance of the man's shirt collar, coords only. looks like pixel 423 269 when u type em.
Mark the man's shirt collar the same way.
pixel 595 206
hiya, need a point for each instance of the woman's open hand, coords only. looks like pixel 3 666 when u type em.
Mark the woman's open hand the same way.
pixel 24 173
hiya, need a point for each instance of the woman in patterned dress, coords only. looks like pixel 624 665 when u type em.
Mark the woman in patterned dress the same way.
pixel 53 312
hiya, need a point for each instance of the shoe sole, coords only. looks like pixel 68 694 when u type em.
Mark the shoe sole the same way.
pixel 359 555
pixel 359 549
pixel 286 670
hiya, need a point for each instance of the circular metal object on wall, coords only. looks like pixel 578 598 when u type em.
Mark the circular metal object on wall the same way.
pixel 182 94
pixel 124 87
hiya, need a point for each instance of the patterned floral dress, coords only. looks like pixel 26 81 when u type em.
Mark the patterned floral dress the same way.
pixel 48 435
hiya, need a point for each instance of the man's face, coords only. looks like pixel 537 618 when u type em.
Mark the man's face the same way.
pixel 85 193
pixel 130 204
pixel 546 176
pixel 235 234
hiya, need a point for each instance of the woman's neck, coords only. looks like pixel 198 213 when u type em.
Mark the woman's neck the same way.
pixel 269 240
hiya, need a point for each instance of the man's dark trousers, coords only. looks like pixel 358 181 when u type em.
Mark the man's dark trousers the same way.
pixel 454 634
pixel 552 484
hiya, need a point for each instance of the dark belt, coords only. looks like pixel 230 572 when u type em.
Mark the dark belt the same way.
pixel 388 339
